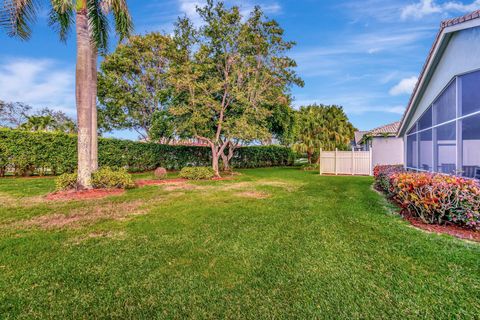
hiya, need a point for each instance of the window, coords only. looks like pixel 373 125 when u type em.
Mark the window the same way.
pixel 470 145
pixel 446 138
pixel 426 150
pixel 426 120
pixel 412 152
pixel 446 152
pixel 445 106
pixel 470 84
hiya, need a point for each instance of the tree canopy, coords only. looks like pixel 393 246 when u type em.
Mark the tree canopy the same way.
pixel 132 85
pixel 226 75
pixel 320 126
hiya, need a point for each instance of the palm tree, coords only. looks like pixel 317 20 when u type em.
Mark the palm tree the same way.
pixel 92 36
pixel 321 126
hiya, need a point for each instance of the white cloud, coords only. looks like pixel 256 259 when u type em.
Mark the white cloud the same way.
pixel 427 7
pixel 189 7
pixel 39 83
pixel 354 104
pixel 405 86
pixel 369 10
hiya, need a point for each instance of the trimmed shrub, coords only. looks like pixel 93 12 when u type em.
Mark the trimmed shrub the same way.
pixel 106 178
pixel 160 173
pixel 437 198
pixel 197 173
pixel 66 181
pixel 434 198
pixel 24 153
pixel 382 175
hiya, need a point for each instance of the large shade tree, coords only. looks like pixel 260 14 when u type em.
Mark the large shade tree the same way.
pixel 320 126
pixel 133 89
pixel 226 74
pixel 90 18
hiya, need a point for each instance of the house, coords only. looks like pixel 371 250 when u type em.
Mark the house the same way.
pixel 386 147
pixel 357 141
pixel 441 125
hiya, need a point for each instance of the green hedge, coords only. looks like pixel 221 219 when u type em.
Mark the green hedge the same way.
pixel 38 152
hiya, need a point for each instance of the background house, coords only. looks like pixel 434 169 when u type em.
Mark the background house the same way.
pixel 357 141
pixel 386 147
pixel 441 126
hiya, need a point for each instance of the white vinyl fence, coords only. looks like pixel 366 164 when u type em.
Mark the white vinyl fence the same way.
pixel 346 162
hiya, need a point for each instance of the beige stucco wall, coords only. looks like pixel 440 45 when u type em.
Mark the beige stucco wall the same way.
pixel 387 150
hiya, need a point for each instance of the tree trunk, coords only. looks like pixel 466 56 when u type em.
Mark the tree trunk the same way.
pixel 93 88
pixel 226 165
pixel 83 100
pixel 215 160
pixel 309 157
pixel 226 158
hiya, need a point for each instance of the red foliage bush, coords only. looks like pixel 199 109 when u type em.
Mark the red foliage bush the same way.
pixel 436 198
pixel 382 175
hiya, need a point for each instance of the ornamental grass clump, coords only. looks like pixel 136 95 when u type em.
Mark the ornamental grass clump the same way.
pixel 437 198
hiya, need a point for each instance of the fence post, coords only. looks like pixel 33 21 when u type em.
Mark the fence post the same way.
pixel 370 160
pixel 336 157
pixel 320 161
pixel 353 161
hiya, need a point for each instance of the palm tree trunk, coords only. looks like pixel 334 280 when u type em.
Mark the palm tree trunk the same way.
pixel 83 98
pixel 93 88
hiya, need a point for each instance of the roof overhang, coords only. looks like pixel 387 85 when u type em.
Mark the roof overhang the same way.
pixel 441 42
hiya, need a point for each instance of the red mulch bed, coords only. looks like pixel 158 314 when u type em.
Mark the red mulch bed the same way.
pixel 450 229
pixel 84 194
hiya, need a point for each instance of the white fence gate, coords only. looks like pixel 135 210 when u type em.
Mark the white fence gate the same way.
pixel 346 162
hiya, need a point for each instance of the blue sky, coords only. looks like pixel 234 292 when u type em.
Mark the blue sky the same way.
pixel 363 55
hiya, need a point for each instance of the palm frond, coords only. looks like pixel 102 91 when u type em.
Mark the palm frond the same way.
pixel 61 17
pixel 16 16
pixel 121 15
pixel 5 13
pixel 98 24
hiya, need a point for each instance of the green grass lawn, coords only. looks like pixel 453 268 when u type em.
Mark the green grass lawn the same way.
pixel 273 243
